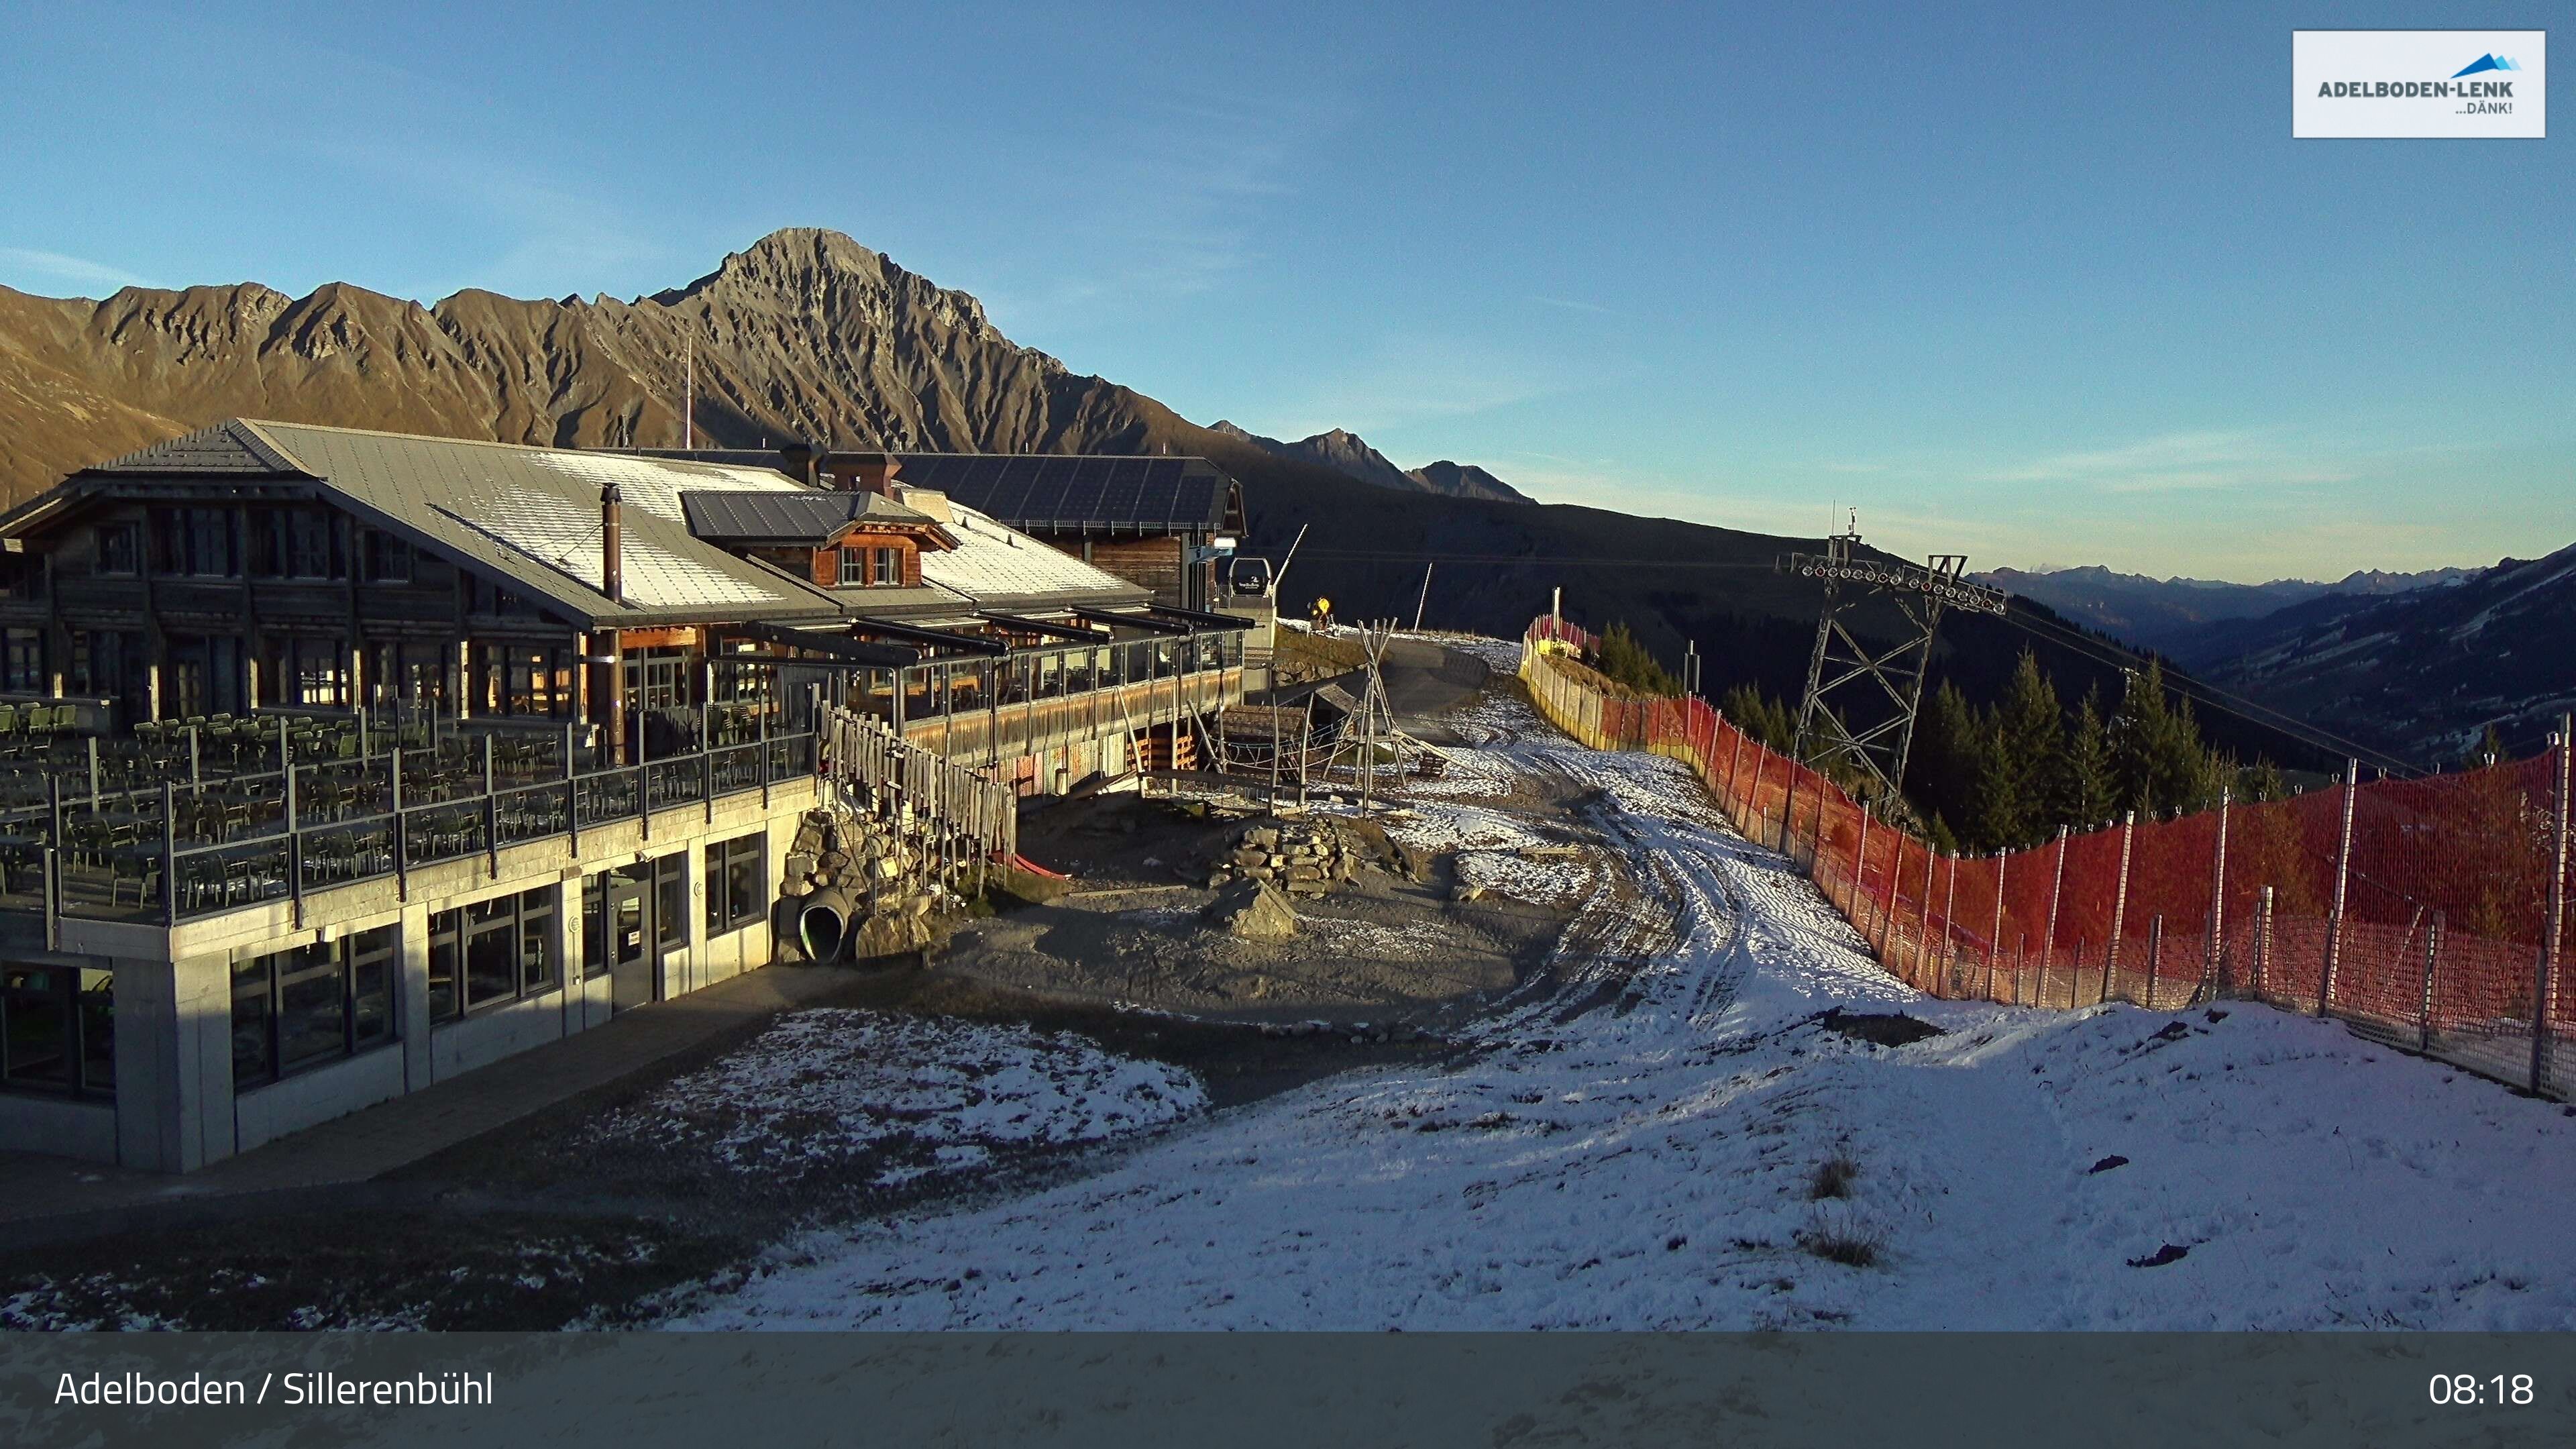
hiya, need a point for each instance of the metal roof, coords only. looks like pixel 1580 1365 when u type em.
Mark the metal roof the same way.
pixel 767 516
pixel 530 518
pixel 233 447
pixel 1060 493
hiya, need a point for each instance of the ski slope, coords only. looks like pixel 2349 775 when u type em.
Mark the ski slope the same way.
pixel 1634 1144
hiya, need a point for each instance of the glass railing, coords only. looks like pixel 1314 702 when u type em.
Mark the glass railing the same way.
pixel 179 852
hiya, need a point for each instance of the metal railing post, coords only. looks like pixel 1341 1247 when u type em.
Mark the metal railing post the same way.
pixel 572 794
pixel 2263 942
pixel 402 853
pixel 2048 943
pixel 2343 882
pixel 2424 1011
pixel 169 855
pixel 2155 955
pixel 2542 998
pixel 2217 945
pixel 2119 903
pixel 1995 939
pixel 491 815
pixel 294 856
pixel 53 888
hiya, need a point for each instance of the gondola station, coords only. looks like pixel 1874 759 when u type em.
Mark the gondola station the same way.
pixel 336 763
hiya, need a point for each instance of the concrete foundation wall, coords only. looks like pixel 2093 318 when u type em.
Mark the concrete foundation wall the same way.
pixel 264 1114
pixel 64 1128
pixel 488 1036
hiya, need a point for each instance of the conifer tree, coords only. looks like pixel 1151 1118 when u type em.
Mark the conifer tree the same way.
pixel 1623 658
pixel 2082 792
pixel 1942 770
pixel 2489 750
pixel 2158 763
pixel 2260 782
pixel 1761 716
pixel 2027 730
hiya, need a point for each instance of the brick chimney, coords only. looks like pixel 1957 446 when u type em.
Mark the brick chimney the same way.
pixel 612 547
pixel 800 459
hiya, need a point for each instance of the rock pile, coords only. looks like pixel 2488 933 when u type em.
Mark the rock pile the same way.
pixel 1251 910
pixel 878 866
pixel 1302 857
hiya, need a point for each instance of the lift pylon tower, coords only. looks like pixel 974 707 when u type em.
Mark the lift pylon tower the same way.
pixel 1860 704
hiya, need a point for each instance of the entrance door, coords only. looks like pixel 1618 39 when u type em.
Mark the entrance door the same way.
pixel 633 962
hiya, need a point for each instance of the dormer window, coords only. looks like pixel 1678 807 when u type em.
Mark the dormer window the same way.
pixel 865 568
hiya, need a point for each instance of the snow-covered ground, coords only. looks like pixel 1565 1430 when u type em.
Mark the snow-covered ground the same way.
pixel 1641 1141
pixel 920 1095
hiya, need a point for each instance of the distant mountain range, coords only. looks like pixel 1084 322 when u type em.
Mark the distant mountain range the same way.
pixel 2185 619
pixel 808 335
pixel 2419 673
pixel 1346 452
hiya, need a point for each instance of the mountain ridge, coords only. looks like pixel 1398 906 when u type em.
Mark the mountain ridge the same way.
pixel 2422 672
pixel 1349 453
pixel 2178 616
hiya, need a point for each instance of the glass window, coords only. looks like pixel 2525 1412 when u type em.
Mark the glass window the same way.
pixel 536 941
pixel 491 952
pixel 120 548
pixel 372 973
pixel 503 949
pixel 889 567
pixel 657 678
pixel 386 558
pixel 307 670
pixel 196 541
pixel 526 681
pixel 36 1041
pixel 97 1022
pixel 312 1007
pixel 58 1030
pixel 594 925
pixel 446 1002
pixel 671 900
pixel 254 1054
pixel 22 661
pixel 298 543
pixel 736 882
pixel 312 1004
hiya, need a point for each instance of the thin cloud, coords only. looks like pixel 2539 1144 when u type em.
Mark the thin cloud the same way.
pixel 1415 378
pixel 1570 305
pixel 2178 462
pixel 79 271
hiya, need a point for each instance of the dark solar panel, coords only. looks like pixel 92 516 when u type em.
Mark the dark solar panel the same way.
pixel 1043 491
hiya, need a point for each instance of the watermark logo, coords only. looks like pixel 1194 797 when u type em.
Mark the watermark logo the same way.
pixel 2485 62
pixel 2406 84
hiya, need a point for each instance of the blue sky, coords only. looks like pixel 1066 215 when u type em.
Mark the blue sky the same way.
pixel 2042 284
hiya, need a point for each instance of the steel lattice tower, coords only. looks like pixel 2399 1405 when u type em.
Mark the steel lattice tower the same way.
pixel 1848 683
